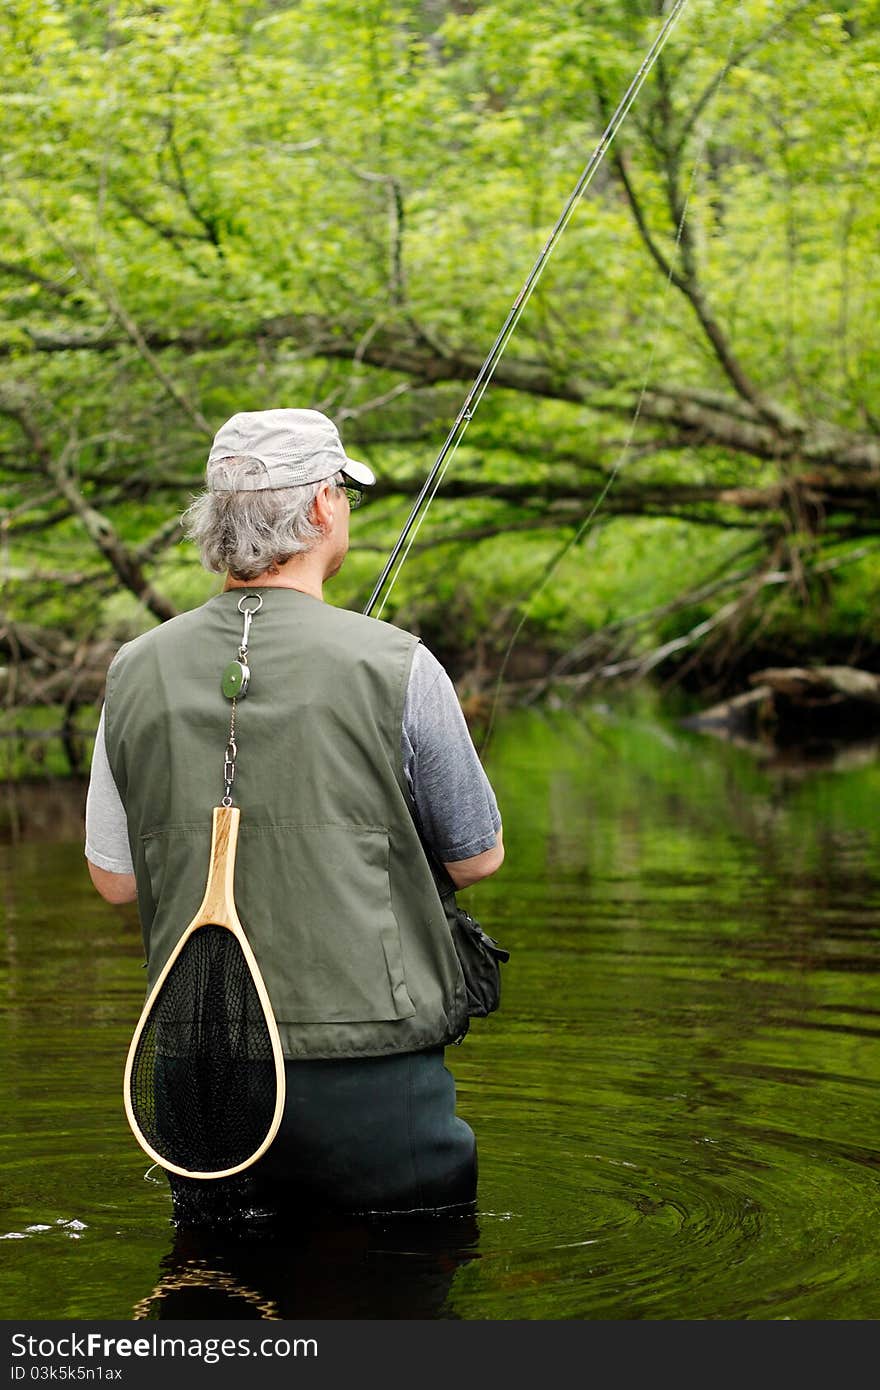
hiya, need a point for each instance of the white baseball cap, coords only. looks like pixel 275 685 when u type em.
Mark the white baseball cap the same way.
pixel 294 447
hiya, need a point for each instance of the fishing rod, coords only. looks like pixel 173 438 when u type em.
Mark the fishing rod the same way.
pixel 429 488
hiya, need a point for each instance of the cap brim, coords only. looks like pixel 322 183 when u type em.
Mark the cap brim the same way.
pixel 358 472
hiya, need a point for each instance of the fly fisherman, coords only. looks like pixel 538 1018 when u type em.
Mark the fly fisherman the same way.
pixel 350 744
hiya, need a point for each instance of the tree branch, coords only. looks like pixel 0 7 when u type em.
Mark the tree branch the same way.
pixel 733 61
pixel 688 282
pixel 22 272
pixel 98 283
pixel 708 417
pixel 101 532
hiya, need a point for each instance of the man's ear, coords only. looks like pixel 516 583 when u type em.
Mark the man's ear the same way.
pixel 322 508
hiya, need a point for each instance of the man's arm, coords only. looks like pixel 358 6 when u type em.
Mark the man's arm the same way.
pixel 464 872
pixel 456 810
pixel 115 888
pixel 107 851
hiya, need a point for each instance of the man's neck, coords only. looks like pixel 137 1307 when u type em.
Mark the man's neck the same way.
pixel 292 575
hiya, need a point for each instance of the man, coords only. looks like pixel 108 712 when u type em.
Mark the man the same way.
pixel 352 752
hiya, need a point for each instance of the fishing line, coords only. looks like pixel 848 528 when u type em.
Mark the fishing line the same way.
pixel 556 560
pixel 565 549
pixel 429 488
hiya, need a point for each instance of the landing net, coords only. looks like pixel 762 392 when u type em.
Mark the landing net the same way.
pixel 203 1085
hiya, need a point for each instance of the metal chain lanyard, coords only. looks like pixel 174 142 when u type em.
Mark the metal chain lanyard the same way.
pixel 234 684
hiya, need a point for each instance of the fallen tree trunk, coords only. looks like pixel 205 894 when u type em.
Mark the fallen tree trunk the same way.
pixel 797 704
pixel 820 685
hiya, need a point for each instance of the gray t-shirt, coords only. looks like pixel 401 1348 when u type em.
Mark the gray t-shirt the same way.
pixel 453 798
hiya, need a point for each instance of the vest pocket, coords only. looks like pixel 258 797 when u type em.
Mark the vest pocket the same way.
pixel 315 901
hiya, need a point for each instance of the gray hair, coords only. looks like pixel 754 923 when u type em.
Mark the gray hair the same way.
pixel 250 532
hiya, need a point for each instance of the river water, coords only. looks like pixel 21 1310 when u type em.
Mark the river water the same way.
pixel 676 1107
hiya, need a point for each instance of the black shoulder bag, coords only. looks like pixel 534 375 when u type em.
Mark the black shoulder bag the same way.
pixel 479 954
pixel 481 958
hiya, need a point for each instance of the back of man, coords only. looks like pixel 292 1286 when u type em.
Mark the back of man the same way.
pixel 336 896
pixel 342 761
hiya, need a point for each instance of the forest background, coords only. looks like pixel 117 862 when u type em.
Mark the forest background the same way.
pixel 211 207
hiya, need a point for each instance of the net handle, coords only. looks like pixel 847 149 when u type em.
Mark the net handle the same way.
pixel 218 905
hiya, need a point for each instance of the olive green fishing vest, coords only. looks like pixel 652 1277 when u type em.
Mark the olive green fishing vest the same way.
pixel 331 883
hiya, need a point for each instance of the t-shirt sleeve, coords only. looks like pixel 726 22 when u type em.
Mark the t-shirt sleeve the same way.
pixel 106 824
pixel 454 800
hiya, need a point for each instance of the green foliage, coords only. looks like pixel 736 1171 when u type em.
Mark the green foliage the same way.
pixel 251 199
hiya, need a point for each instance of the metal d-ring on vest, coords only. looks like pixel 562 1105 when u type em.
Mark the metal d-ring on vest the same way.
pixel 234 684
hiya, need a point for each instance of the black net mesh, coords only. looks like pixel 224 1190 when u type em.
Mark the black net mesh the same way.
pixel 203 1082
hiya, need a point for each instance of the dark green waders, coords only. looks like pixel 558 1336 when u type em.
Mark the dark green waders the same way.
pixel 376 1135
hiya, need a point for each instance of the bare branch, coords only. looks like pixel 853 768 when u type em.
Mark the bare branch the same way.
pixel 56 288
pixel 98 282
pixel 733 61
pixel 101 532
pixel 168 534
pixel 708 417
pixel 688 282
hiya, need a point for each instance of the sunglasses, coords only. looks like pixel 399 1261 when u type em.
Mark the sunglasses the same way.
pixel 354 494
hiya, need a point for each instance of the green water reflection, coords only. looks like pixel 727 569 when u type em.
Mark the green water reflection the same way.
pixel 676 1106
